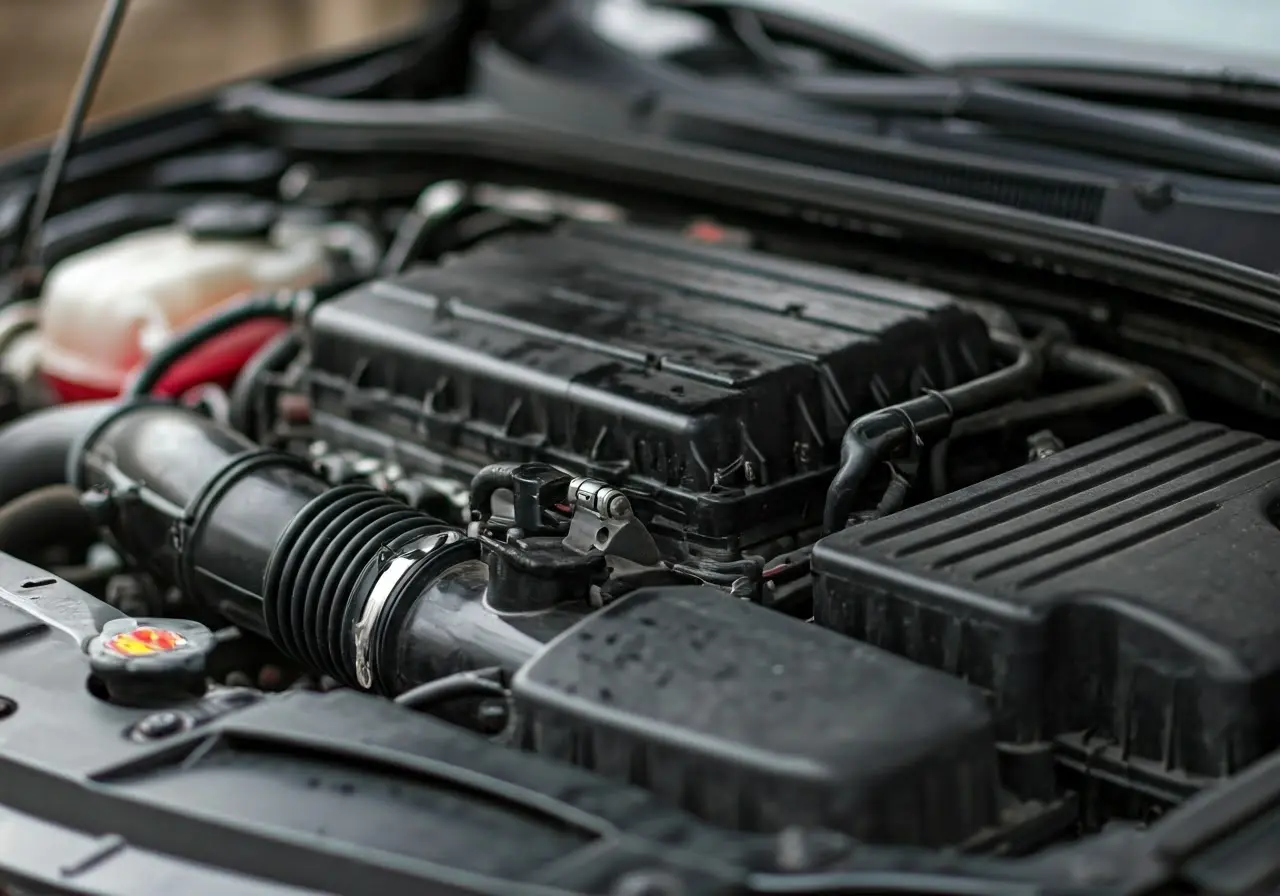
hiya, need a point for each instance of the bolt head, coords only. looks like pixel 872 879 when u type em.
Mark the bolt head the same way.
pixel 160 724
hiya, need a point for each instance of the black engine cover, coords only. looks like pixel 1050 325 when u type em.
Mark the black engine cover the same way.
pixel 1121 599
pixel 757 721
pixel 713 385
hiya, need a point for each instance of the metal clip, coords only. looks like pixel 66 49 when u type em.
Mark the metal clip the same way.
pixel 388 579
pixel 603 520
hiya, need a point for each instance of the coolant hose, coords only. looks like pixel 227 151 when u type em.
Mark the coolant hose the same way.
pixel 34 449
pixel 277 306
pixel 1086 362
pixel 875 437
pixel 47 517
pixel 347 581
pixel 284 305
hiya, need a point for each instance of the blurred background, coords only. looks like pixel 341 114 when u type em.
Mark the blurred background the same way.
pixel 167 48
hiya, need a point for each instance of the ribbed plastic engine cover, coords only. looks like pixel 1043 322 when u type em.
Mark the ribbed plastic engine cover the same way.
pixel 712 384
pixel 1121 597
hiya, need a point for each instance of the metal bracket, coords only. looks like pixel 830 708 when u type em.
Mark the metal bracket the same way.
pixel 603 521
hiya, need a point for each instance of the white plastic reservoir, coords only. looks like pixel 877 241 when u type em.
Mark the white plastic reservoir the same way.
pixel 107 309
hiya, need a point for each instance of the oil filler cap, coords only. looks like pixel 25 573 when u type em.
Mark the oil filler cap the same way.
pixel 151 662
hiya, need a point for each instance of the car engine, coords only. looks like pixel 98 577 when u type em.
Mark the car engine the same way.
pixel 620 537
pixel 711 388
pixel 684 507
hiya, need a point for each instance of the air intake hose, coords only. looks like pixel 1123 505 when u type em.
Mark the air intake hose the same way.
pixel 346 580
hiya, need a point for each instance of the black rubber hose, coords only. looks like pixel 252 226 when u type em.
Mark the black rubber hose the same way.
pixel 1021 374
pixel 488 481
pixel 875 437
pixel 894 498
pixel 1121 381
pixel 283 305
pixel 1077 401
pixel 1095 365
pixel 1021 413
pixel 195 502
pixel 348 581
pixel 34 449
pixel 276 305
pixel 275 356
pixel 47 517
pixel 471 683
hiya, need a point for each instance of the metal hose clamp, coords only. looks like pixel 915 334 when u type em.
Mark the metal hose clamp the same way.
pixel 380 594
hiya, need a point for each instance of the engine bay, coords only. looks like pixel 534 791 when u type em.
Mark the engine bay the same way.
pixel 676 410
pixel 541 425
pixel 628 538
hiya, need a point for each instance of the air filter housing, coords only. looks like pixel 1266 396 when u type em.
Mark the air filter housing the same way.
pixel 1120 600
pixel 757 721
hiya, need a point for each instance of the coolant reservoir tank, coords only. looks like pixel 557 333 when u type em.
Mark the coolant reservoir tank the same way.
pixel 106 310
